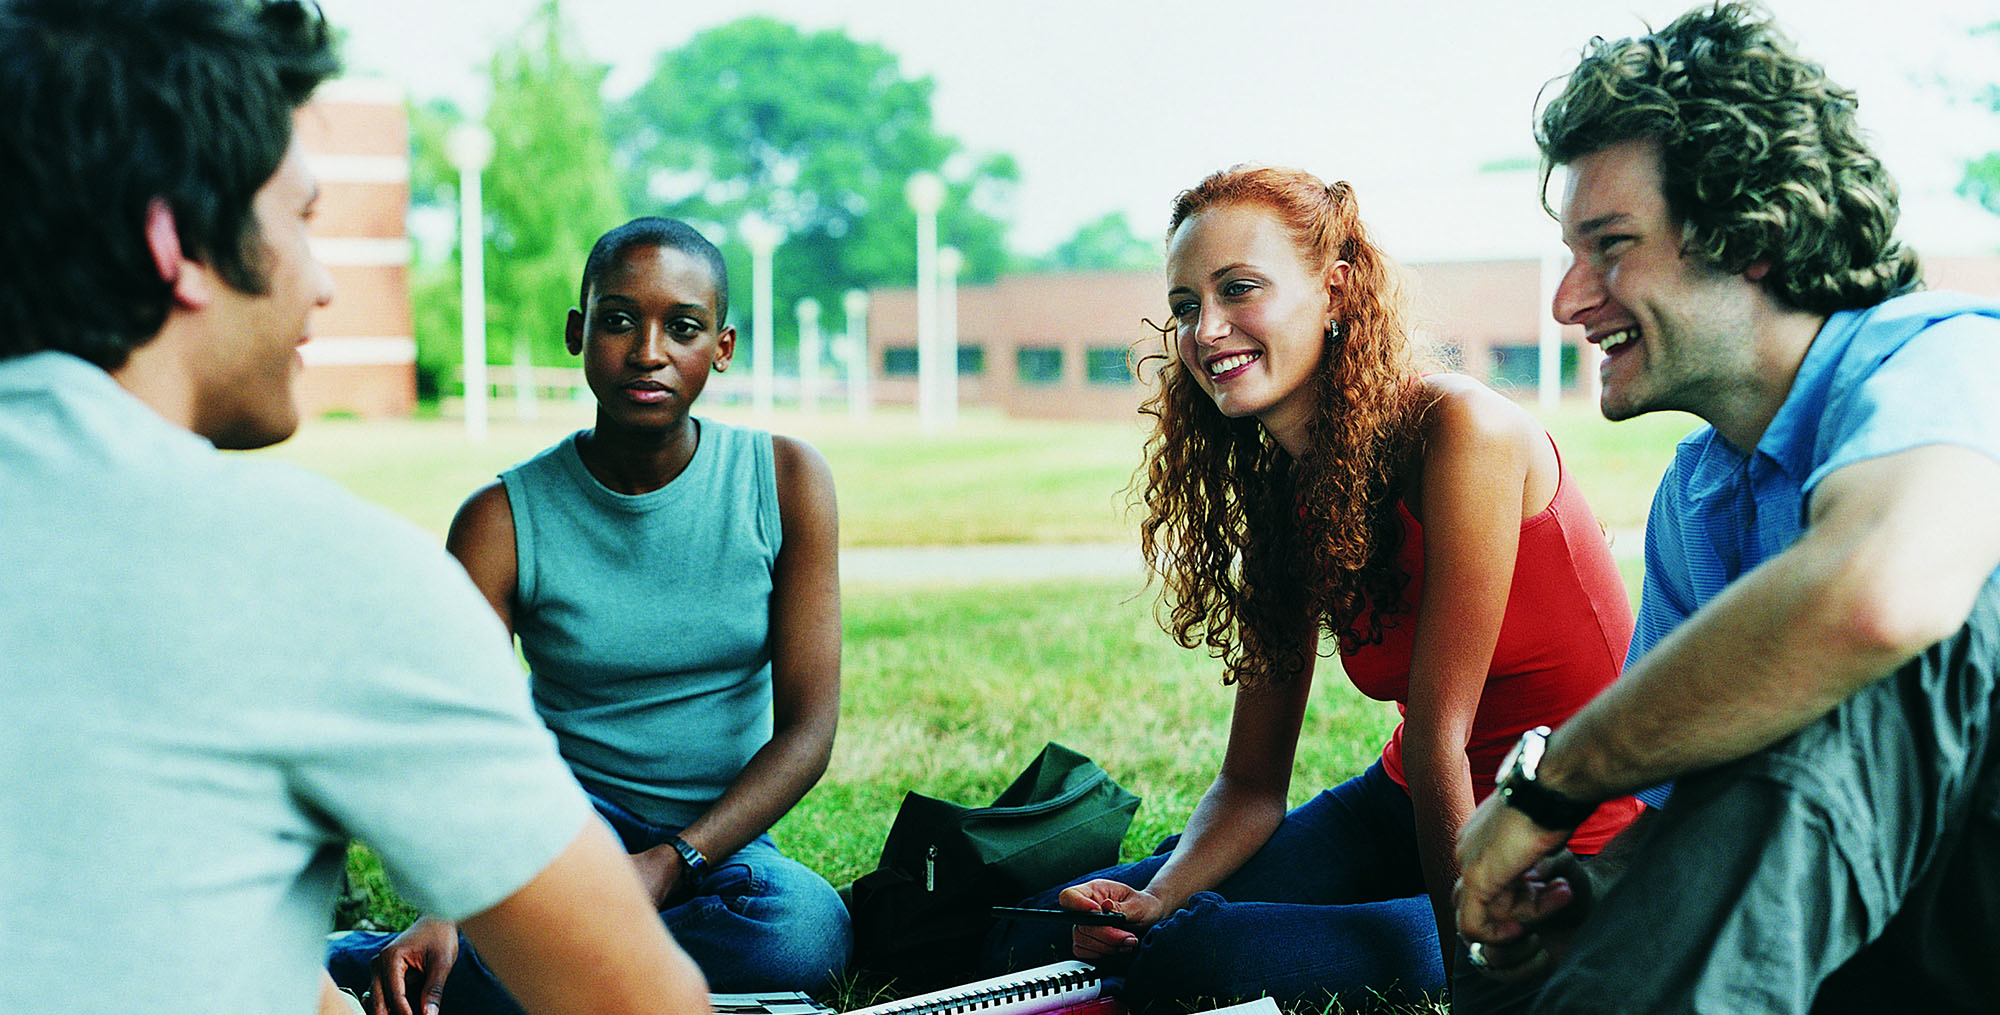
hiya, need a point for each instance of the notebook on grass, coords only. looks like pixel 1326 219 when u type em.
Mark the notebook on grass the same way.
pixel 1029 992
pixel 769 1002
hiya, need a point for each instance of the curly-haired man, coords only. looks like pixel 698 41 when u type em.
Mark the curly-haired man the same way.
pixel 1817 657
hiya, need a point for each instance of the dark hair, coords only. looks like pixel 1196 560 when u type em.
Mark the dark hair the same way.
pixel 108 104
pixel 653 231
pixel 1254 548
pixel 1761 159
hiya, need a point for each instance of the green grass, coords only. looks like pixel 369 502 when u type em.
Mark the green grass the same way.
pixel 990 480
pixel 1617 464
pixel 951 691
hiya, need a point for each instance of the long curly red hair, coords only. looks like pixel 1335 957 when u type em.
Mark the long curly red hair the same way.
pixel 1255 549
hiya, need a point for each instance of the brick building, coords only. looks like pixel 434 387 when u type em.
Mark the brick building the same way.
pixel 1058 345
pixel 363 355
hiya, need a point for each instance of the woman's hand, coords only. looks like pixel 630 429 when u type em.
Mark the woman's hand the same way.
pixel 429 947
pixel 1096 944
pixel 663 872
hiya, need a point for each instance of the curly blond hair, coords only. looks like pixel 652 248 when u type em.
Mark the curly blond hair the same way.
pixel 1255 549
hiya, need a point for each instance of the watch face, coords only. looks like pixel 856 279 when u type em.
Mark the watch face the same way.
pixel 1507 763
pixel 1532 744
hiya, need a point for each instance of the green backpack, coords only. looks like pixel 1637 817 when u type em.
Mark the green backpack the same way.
pixel 921 915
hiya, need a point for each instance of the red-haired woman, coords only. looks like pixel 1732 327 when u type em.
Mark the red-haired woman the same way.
pixel 1306 479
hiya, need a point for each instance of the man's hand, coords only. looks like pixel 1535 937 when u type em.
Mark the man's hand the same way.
pixel 1557 894
pixel 1495 898
pixel 429 948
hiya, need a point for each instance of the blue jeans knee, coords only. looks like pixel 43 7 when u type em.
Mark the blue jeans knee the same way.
pixel 763 921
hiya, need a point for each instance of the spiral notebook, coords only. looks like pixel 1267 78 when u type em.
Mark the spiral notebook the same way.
pixel 1029 992
pixel 770 1002
pixel 1061 988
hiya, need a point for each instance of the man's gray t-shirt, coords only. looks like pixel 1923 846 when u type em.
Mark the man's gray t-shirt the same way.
pixel 214 670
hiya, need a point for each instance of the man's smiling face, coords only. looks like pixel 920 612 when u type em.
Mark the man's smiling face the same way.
pixel 1676 334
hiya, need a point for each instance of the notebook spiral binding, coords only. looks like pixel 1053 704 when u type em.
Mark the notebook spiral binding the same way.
pixel 985 996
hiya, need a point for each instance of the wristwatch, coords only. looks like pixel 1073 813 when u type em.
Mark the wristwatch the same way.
pixel 696 863
pixel 1542 805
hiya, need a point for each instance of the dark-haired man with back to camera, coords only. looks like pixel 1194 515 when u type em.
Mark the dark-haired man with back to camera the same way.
pixel 1819 633
pixel 214 669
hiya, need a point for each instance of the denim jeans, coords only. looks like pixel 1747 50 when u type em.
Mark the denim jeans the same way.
pixel 758 920
pixel 1332 905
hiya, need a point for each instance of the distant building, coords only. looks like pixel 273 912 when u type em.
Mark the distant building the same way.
pixel 363 355
pixel 1059 346
pixel 1066 345
pixel 1063 345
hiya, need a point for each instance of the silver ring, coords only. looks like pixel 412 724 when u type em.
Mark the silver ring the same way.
pixel 1476 954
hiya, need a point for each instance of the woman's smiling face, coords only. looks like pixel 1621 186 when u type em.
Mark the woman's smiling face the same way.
pixel 1250 315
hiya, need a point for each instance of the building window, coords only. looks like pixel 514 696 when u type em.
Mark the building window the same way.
pixel 899 361
pixel 1039 365
pixel 971 360
pixel 1105 364
pixel 1520 366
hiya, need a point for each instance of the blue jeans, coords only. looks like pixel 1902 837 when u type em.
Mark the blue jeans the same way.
pixel 758 920
pixel 1332 905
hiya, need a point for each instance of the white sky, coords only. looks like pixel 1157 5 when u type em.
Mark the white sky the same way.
pixel 1118 105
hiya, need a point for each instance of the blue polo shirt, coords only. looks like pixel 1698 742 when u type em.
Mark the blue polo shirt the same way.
pixel 1914 370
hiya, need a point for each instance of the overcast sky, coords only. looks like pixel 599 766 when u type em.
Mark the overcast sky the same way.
pixel 1116 106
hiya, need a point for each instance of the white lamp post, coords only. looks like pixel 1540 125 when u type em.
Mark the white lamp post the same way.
pixel 859 362
pixel 524 380
pixel 1548 362
pixel 950 262
pixel 925 192
pixel 808 311
pixel 762 237
pixel 469 146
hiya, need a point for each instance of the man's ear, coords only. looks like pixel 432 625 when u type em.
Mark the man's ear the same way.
pixel 1757 271
pixel 191 288
pixel 573 332
pixel 725 348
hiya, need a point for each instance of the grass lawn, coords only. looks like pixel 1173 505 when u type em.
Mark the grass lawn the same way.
pixel 991 480
pixel 952 690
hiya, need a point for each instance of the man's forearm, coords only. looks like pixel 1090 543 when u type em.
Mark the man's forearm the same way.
pixel 1763 660
pixel 581 937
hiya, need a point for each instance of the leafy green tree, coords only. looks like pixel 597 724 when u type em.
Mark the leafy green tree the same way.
pixel 1104 244
pixel 551 189
pixel 1981 181
pixel 434 265
pixel 818 134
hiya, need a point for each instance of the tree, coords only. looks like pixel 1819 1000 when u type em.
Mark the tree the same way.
pixel 818 134
pixel 1103 244
pixel 547 195
pixel 1981 181
pixel 551 189
pixel 434 261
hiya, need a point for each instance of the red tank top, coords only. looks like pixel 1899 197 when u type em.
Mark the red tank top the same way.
pixel 1563 639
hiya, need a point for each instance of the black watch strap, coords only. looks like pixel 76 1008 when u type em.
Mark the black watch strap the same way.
pixel 696 862
pixel 1545 806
